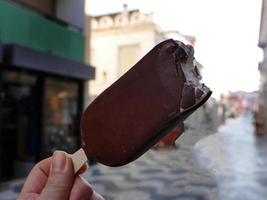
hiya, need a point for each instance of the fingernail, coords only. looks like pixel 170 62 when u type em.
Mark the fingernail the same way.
pixel 58 161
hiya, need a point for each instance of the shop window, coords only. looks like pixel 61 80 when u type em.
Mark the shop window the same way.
pixel 60 117
pixel 18 123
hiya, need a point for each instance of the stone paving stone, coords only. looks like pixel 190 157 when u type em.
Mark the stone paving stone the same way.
pixel 8 195
pixel 10 190
pixel 133 195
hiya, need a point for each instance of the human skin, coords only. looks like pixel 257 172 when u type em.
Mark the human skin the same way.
pixel 54 178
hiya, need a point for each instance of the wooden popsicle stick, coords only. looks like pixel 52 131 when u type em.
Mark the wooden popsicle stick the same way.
pixel 79 158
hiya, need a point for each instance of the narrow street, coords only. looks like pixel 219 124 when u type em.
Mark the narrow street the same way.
pixel 228 165
pixel 237 159
pixel 104 76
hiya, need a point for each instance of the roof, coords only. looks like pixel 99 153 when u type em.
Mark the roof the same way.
pixel 114 13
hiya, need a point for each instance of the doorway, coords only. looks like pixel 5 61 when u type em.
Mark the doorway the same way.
pixel 18 123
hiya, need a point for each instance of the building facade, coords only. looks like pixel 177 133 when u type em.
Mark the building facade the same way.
pixel 118 41
pixel 261 119
pixel 42 80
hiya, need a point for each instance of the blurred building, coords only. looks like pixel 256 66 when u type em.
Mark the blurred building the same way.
pixel 119 40
pixel 240 102
pixel 42 80
pixel 262 110
pixel 235 103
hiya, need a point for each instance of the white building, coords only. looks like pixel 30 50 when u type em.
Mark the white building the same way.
pixel 119 40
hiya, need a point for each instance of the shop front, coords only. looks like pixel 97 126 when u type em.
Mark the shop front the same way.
pixel 41 102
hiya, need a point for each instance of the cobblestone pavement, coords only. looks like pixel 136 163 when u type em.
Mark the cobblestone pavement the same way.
pixel 228 165
pixel 158 175
pixel 237 159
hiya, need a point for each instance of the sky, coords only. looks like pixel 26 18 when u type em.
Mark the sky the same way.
pixel 226 32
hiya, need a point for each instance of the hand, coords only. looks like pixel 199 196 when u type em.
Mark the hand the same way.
pixel 54 179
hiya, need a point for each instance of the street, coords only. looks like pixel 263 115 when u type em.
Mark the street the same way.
pixel 111 78
pixel 228 165
pixel 237 160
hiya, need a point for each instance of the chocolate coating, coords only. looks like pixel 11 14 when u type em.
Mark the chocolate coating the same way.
pixel 187 100
pixel 141 107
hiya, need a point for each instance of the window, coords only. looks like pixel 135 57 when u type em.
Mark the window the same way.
pixel 105 22
pixel 128 56
pixel 60 116
pixel 18 122
pixel 121 20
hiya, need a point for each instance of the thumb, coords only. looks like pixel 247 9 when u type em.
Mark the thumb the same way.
pixel 60 178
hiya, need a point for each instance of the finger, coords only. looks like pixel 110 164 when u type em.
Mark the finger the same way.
pixel 28 196
pixel 81 189
pixel 60 179
pixel 96 196
pixel 37 178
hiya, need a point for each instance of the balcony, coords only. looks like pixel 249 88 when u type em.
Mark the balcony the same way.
pixel 22 27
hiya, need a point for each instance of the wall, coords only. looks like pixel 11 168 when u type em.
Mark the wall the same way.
pixel 45 6
pixel 71 11
pixel 104 53
pixel 263 69
pixel 263 25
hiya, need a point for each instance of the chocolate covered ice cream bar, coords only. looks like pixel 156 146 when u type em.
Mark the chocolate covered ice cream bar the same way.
pixel 146 103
